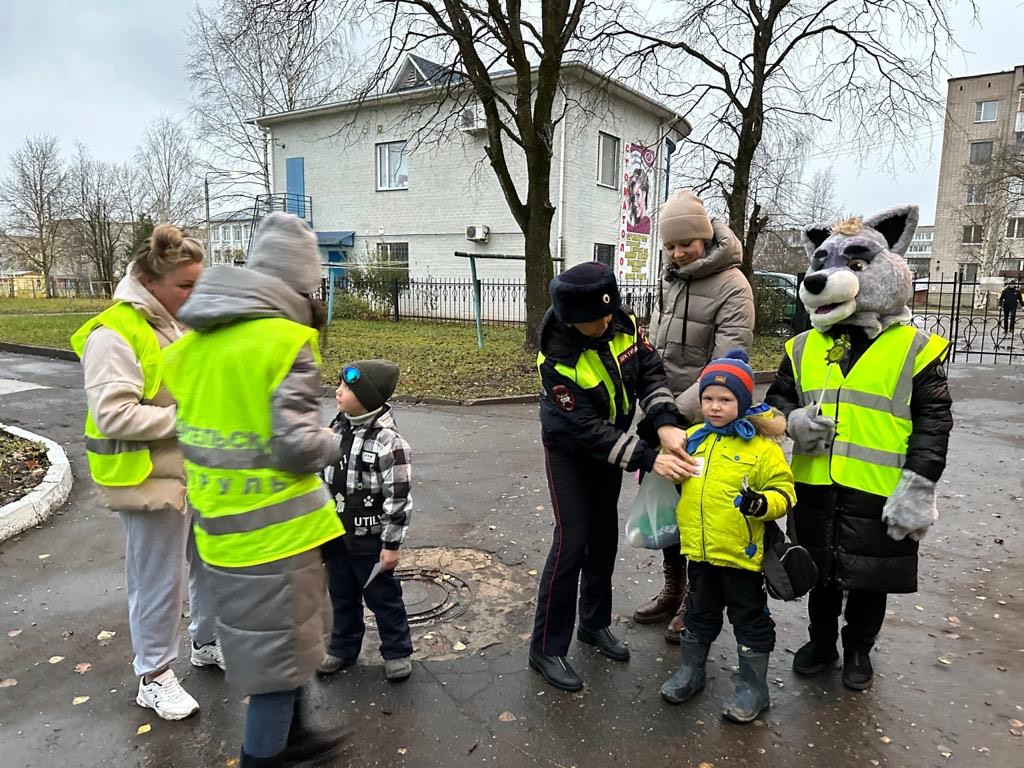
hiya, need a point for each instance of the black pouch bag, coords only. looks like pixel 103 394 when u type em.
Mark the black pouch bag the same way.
pixel 789 570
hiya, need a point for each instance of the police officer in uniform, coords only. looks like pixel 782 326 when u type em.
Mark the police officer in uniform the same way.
pixel 596 369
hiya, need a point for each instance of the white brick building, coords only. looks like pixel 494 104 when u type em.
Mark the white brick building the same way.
pixel 979 212
pixel 919 254
pixel 381 176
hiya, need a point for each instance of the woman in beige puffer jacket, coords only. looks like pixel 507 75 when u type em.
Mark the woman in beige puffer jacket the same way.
pixel 157 522
pixel 705 308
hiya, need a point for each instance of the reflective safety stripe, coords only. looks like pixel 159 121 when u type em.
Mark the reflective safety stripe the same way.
pixel 227 458
pixel 256 519
pixel 660 395
pixel 864 399
pixel 622 451
pixel 108 447
pixel 870 455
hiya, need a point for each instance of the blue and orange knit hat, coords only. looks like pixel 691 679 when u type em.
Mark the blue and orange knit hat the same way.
pixel 734 373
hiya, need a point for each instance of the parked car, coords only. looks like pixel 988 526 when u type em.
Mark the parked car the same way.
pixel 776 297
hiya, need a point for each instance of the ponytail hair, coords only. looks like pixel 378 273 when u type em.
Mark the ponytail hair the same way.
pixel 165 250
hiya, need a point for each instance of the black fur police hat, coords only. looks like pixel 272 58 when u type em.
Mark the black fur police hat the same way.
pixel 586 292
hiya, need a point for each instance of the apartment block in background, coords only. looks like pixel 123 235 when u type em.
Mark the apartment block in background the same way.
pixel 979 212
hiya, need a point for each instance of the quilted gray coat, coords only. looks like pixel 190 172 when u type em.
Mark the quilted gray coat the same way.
pixel 705 309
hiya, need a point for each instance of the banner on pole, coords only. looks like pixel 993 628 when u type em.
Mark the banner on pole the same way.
pixel 635 219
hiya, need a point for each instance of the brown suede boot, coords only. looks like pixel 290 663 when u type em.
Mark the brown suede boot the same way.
pixel 678 624
pixel 667 602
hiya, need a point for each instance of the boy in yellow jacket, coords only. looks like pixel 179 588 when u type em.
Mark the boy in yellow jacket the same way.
pixel 744 481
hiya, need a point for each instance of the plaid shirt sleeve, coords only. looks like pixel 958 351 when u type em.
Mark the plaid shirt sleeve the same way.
pixel 396 486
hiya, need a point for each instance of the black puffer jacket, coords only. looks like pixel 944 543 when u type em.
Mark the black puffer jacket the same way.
pixel 575 419
pixel 842 527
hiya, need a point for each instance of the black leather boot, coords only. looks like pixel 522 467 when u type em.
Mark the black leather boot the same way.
pixel 814 656
pixel 857 671
pixel 751 695
pixel 665 604
pixel 556 670
pixel 689 678
pixel 604 641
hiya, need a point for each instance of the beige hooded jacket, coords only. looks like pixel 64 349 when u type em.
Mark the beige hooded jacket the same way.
pixel 705 309
pixel 113 389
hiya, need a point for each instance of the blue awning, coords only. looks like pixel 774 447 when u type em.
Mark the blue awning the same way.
pixel 339 239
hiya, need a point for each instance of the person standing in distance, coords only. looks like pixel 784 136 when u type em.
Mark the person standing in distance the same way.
pixel 136 462
pixel 247 382
pixel 595 370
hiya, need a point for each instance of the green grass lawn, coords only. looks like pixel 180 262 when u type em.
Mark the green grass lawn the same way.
pixel 437 360
pixel 9 306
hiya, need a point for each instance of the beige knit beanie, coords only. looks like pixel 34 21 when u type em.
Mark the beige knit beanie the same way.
pixel 683 218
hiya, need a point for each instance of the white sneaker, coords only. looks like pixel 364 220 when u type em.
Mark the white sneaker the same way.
pixel 208 655
pixel 166 697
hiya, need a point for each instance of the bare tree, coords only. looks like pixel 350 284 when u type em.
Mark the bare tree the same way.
pixel 169 170
pixel 33 198
pixel 530 45
pixel 748 68
pixel 993 219
pixel 251 58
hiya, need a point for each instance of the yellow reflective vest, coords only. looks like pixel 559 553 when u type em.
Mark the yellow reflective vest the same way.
pixel 247 511
pixel 115 462
pixel 589 373
pixel 870 404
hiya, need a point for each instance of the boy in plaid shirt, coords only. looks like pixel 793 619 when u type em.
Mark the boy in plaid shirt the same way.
pixel 372 486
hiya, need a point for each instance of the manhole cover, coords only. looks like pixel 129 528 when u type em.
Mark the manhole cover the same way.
pixel 460 601
pixel 431 595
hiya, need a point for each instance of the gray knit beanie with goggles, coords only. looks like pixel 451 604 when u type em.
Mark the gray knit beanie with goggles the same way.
pixel 371 381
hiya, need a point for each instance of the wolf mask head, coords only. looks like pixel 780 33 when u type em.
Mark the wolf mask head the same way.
pixel 858 274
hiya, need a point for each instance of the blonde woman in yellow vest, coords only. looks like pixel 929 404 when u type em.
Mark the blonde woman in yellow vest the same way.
pixel 247 383
pixel 869 411
pixel 136 464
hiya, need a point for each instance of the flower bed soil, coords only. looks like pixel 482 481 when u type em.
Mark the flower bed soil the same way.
pixel 23 466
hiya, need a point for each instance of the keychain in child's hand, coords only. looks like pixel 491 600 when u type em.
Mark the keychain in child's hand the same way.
pixel 836 354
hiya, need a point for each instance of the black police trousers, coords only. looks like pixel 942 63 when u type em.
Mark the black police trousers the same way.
pixel 584 499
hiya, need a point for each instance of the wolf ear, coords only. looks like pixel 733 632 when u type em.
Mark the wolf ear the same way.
pixel 896 225
pixel 814 236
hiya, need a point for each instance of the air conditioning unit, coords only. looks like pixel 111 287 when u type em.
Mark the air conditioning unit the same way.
pixel 477 233
pixel 472 119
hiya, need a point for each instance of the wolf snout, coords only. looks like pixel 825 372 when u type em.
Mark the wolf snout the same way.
pixel 815 283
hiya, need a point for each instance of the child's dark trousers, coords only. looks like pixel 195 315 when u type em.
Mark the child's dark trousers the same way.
pixel 714 588
pixel 346 574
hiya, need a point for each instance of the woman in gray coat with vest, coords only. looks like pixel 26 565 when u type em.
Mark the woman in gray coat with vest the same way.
pixel 705 308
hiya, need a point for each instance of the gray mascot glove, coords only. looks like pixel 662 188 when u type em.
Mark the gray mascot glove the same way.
pixel 812 435
pixel 910 510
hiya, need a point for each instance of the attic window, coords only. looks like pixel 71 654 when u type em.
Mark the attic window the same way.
pixel 411 79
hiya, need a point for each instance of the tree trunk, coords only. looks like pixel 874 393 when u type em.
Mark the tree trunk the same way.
pixel 537 237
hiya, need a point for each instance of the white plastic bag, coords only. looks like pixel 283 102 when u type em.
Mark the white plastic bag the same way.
pixel 652 519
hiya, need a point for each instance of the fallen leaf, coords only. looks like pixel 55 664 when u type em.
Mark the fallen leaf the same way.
pixel 31 464
pixel 43 557
pixel 944 751
pixel 507 717
pixel 8 682
pixel 705 765
pixel 945 660
pixel 14 633
pixel 79 700
pixel 105 634
pixel 918 608
pixel 459 646
pixel 539 508
pixel 402 750
pixel 83 667
pixel 885 740
pixel 231 762
pixel 1015 723
pixel 954 621
pixel 143 729
pixel 55 659
pixel 532 572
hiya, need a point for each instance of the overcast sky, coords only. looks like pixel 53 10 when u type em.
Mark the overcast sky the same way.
pixel 97 71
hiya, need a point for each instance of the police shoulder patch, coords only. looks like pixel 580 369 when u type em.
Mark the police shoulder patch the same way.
pixel 563 397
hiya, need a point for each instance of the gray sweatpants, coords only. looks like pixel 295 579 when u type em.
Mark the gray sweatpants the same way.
pixel 157 547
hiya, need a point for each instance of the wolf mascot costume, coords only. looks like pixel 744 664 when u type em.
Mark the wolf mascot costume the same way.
pixel 869 412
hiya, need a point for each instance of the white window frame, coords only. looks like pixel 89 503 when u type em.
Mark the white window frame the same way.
pixel 384 171
pixel 975 194
pixel 1015 228
pixel 617 167
pixel 972 266
pixel 979 111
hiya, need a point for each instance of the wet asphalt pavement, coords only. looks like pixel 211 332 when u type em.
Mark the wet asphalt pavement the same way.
pixel 949 688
